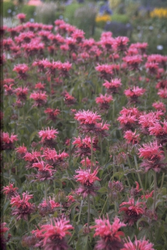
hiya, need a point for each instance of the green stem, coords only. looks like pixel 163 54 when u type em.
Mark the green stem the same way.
pixel 88 211
pixel 91 154
pixel 155 189
pixel 104 206
pixel 141 184
pixel 162 181
pixel 80 212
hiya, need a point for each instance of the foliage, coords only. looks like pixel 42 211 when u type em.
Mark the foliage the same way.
pixel 84 140
pixel 120 18
pixel 29 10
pixel 8 6
pixel 69 12
pixel 84 18
pixel 47 13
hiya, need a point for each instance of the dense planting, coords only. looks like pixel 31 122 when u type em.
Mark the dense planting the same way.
pixel 84 141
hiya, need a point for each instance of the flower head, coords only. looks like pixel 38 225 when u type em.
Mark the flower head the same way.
pixel 21 206
pixel 153 156
pixel 53 234
pixel 132 211
pixel 110 237
pixel 138 245
pixel 10 190
pixel 86 179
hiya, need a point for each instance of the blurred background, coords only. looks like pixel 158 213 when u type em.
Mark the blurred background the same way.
pixel 140 20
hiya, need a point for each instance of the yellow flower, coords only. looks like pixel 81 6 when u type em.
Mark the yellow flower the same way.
pixel 103 18
pixel 159 12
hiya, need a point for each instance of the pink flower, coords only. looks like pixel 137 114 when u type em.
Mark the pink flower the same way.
pixel 21 150
pixel 69 99
pixel 52 114
pixel 134 93
pixel 153 156
pixel 132 211
pixel 48 136
pixel 21 93
pixel 159 106
pixel 120 43
pixel 132 137
pixel 128 118
pixel 104 101
pixel 110 237
pixel 47 207
pixel 21 17
pixel 22 207
pixel 83 145
pixel 163 93
pixel 159 129
pixel 89 122
pixel 133 62
pixel 8 141
pixel 113 86
pixel 40 98
pixel 53 234
pixel 87 117
pixel 151 67
pixel 44 171
pixel 138 245
pixel 86 179
pixel 10 190
pixel 21 69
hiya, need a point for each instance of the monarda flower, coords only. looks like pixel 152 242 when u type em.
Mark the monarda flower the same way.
pixel 141 47
pixel 113 86
pixel 47 207
pixel 132 137
pixel 83 145
pixel 134 93
pixel 57 160
pixel 163 93
pixel 21 93
pixel 69 99
pixel 21 17
pixel 10 191
pixel 103 101
pixel 138 245
pixel 151 67
pixel 44 171
pixel 147 120
pixel 21 69
pixel 87 118
pixel 8 141
pixel 120 43
pixel 153 156
pixel 31 158
pixel 159 106
pixel 132 211
pixel 22 208
pixel 89 122
pixel 86 179
pixel 134 192
pixel 52 236
pixel 133 62
pixel 40 98
pixel 48 137
pixel 110 234
pixel 21 151
pixel 3 238
pixel 128 118
pixel 159 130
pixel 52 114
